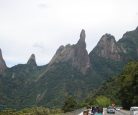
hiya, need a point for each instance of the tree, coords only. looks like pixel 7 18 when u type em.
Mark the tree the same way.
pixel 70 104
pixel 102 101
pixel 129 89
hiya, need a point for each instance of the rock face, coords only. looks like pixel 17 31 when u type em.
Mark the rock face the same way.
pixel 2 63
pixel 108 48
pixel 32 60
pixel 129 45
pixel 76 55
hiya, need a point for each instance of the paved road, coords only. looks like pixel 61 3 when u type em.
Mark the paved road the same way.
pixel 121 112
pixel 76 112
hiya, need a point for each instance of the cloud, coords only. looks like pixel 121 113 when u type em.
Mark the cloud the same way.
pixel 40 46
pixel 42 5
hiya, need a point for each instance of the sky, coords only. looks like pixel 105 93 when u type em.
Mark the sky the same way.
pixel 41 26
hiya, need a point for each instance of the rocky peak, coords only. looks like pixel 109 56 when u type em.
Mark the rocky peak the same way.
pixel 137 28
pixel 32 60
pixel 108 48
pixel 129 34
pixel 107 37
pixel 76 55
pixel 81 41
pixel 129 44
pixel 0 53
pixel 106 41
pixel 2 63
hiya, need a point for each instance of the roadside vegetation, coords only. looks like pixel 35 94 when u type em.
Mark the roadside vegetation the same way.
pixel 32 111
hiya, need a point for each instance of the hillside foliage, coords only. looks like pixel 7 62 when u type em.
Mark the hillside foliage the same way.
pixel 122 90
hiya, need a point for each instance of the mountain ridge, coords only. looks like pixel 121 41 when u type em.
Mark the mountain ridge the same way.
pixel 71 72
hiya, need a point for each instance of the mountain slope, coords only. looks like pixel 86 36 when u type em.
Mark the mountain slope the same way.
pixel 105 57
pixel 3 65
pixel 15 83
pixel 129 45
pixel 109 56
pixel 124 88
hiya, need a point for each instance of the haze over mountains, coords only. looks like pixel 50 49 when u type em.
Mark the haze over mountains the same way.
pixel 71 72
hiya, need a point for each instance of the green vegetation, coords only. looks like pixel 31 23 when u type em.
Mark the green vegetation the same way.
pixel 102 101
pixel 17 93
pixel 129 42
pixel 129 87
pixel 122 90
pixel 32 111
pixel 29 86
pixel 106 68
pixel 70 104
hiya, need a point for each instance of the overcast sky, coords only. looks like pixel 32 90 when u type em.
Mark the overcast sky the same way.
pixel 41 26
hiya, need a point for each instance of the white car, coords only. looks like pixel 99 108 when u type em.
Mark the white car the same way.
pixel 134 111
pixel 110 109
pixel 117 108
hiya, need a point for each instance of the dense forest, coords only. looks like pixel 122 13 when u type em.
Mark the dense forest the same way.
pixel 121 90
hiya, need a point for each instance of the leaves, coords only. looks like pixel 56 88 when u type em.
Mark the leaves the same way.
pixel 70 104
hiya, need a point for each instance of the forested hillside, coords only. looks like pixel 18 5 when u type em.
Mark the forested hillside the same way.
pixel 123 89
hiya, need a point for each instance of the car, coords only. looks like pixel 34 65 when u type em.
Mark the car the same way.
pixel 97 111
pixel 117 108
pixel 134 111
pixel 111 109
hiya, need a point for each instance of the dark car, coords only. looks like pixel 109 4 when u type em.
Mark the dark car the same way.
pixel 111 109
pixel 97 111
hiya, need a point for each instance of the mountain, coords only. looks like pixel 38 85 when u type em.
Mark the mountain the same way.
pixel 48 85
pixel 3 65
pixel 106 57
pixel 32 60
pixel 109 56
pixel 129 45
pixel 71 72
pixel 107 48
pixel 65 75
pixel 15 84
pixel 74 54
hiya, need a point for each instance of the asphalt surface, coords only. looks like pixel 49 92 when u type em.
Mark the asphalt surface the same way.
pixel 120 112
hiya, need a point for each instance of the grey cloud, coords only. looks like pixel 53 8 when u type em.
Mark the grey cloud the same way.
pixel 40 46
pixel 42 5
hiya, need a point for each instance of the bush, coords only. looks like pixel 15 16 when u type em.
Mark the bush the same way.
pixel 70 104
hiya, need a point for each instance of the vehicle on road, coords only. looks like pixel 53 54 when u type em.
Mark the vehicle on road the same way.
pixel 111 109
pixel 93 111
pixel 97 111
pixel 134 111
pixel 117 108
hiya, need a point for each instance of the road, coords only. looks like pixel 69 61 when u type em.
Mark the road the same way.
pixel 120 112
